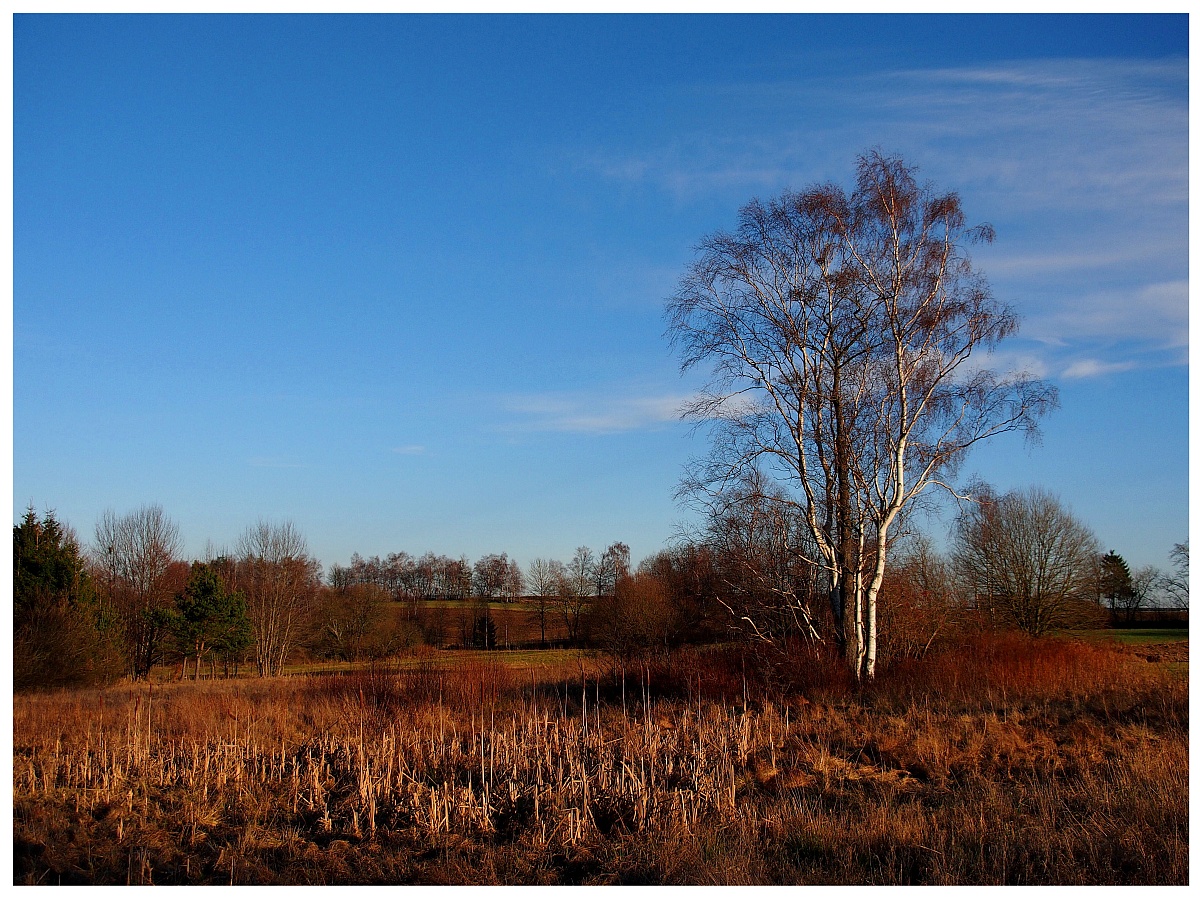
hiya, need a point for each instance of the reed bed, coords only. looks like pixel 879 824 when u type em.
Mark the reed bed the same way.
pixel 486 775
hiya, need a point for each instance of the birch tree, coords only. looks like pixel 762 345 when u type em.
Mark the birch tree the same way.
pixel 280 581
pixel 840 330
pixel 575 592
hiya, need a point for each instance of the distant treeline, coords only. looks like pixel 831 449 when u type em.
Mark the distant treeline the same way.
pixel 127 602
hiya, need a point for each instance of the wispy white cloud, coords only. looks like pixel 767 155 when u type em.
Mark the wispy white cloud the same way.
pixel 410 450
pixel 1059 134
pixel 592 413
pixel 1067 362
pixel 695 166
pixel 1037 134
pixel 1006 360
pixel 1154 316
pixel 1081 163
pixel 1055 72
pixel 1090 368
pixel 1000 262
pixel 1074 362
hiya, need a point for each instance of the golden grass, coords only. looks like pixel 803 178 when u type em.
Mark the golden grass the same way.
pixel 546 664
pixel 483 773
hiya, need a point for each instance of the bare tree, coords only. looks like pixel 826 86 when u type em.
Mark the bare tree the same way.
pixel 921 601
pixel 498 577
pixel 1152 589
pixel 545 579
pixel 1175 586
pixel 514 582
pixel 761 547
pixel 575 591
pixel 137 566
pixel 580 571
pixel 612 564
pixel 353 622
pixel 840 330
pixel 694 582
pixel 636 617
pixel 490 574
pixel 457 578
pixel 1149 588
pixel 280 581
pixel 1027 560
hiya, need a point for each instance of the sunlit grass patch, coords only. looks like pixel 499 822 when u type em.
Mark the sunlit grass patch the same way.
pixel 1135 635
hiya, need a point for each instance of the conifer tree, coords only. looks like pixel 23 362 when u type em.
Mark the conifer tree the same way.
pixel 62 634
pixel 1116 586
pixel 207 618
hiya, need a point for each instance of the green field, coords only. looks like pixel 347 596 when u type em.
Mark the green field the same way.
pixel 1136 635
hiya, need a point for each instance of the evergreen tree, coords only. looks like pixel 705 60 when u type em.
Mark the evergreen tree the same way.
pixel 1116 585
pixel 62 634
pixel 207 618
pixel 235 636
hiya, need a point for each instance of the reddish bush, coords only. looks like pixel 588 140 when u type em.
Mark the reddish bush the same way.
pixel 733 673
pixel 997 668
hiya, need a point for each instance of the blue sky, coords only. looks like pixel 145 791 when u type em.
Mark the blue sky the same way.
pixel 400 280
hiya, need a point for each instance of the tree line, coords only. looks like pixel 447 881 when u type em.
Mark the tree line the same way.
pixel 1020 561
pixel 127 602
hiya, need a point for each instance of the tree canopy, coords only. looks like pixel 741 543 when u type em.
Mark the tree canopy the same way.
pixel 62 634
pixel 840 330
pixel 208 618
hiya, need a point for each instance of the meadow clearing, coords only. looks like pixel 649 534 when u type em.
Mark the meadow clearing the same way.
pixel 997 759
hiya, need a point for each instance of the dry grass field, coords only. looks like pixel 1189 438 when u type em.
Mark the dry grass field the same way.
pixel 998 760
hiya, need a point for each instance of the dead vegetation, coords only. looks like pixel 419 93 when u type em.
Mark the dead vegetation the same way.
pixel 1167 651
pixel 996 761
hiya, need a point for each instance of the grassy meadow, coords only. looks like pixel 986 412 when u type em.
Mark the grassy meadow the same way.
pixel 995 760
pixel 1137 636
